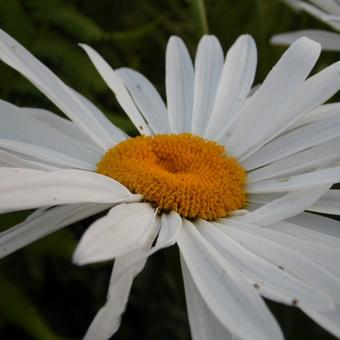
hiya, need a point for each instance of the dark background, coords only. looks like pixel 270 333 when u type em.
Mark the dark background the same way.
pixel 42 294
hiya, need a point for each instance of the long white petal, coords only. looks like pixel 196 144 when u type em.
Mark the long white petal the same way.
pixel 27 189
pixel 314 91
pixel 125 228
pixel 19 161
pixel 227 294
pixel 318 223
pixel 268 279
pixel 322 255
pixel 97 126
pixel 261 242
pixel 37 226
pixel 306 234
pixel 179 85
pixel 297 182
pixel 294 141
pixel 208 69
pixel 266 106
pixel 319 113
pixel 329 40
pixel 304 161
pixel 117 86
pixel 147 99
pixel 203 323
pixel 236 81
pixel 63 125
pixel 291 204
pixel 18 125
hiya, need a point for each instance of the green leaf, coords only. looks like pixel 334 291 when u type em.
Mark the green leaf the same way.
pixel 18 309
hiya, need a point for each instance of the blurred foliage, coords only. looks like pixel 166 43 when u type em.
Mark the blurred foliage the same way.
pixel 44 296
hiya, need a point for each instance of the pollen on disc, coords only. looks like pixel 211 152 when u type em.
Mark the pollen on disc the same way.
pixel 178 172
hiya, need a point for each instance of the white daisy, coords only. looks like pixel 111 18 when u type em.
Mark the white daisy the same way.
pixel 327 11
pixel 177 184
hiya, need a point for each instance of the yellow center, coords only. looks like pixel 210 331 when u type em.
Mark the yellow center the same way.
pixel 184 173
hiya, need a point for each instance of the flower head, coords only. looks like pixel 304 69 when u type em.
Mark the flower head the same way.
pixel 224 171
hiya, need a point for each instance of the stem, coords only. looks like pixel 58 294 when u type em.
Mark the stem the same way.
pixel 198 10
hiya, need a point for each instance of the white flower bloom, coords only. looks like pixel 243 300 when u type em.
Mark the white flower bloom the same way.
pixel 327 11
pixel 173 185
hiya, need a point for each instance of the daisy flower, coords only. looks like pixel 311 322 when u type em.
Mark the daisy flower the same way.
pixel 327 11
pixel 223 171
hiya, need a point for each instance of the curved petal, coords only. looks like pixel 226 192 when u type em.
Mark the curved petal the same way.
pixel 125 228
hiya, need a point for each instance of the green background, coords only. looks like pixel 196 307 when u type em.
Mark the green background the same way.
pixel 42 294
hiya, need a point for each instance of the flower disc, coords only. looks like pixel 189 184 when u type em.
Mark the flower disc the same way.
pixel 180 172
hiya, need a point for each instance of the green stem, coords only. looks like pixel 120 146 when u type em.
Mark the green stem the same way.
pixel 200 17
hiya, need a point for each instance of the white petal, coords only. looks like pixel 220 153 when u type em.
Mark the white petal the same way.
pixel 27 189
pixel 307 234
pixel 107 320
pixel 236 81
pixel 63 125
pixel 170 225
pixel 179 85
pixel 318 223
pixel 118 88
pixel 322 255
pixel 268 279
pixel 125 228
pixel 294 141
pixel 291 204
pixel 312 10
pixel 37 226
pixel 297 182
pixel 208 69
pixel 227 294
pixel 266 106
pixel 97 126
pixel 329 6
pixel 17 125
pixel 313 92
pixel 147 99
pixel 329 40
pixel 203 324
pixel 321 112
pixel 304 161
pixel 262 243
pixel 19 161
pixel 328 204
